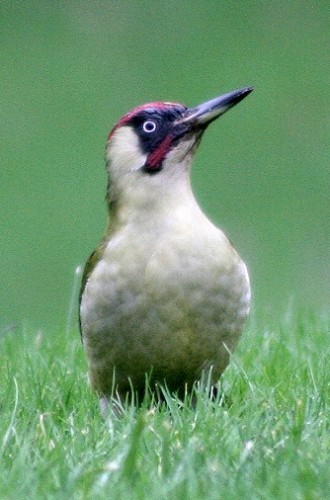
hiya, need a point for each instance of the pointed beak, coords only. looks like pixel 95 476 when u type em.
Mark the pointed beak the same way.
pixel 205 113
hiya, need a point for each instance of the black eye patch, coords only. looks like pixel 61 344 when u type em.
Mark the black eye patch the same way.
pixel 153 126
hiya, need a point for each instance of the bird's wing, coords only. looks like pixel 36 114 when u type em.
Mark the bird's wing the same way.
pixel 93 259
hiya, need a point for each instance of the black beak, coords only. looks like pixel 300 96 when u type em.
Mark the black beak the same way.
pixel 206 112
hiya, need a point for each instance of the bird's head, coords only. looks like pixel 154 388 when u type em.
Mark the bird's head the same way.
pixel 151 148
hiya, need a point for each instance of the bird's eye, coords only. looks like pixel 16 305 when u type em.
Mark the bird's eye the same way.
pixel 149 126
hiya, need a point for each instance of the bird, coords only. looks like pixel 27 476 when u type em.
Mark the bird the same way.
pixel 165 296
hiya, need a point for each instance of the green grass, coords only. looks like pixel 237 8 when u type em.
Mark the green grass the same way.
pixel 268 438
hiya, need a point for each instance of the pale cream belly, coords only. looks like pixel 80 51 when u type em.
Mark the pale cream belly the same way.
pixel 168 317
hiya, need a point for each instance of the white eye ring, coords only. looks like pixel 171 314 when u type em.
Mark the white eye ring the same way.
pixel 149 126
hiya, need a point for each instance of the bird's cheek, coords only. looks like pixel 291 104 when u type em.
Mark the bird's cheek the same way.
pixel 156 157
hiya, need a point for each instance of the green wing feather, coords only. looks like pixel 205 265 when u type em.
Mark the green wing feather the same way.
pixel 93 259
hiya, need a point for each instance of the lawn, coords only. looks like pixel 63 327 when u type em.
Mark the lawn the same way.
pixel 266 436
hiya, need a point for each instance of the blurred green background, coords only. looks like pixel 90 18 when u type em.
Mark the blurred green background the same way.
pixel 70 69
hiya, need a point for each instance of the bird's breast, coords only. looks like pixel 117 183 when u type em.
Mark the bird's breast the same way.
pixel 184 280
pixel 173 301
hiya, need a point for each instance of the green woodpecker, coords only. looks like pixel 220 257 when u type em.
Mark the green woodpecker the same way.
pixel 165 295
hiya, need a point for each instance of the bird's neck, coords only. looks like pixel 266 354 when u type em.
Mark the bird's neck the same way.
pixel 157 206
